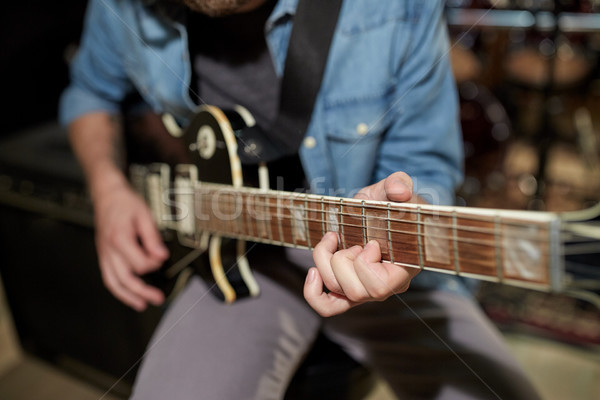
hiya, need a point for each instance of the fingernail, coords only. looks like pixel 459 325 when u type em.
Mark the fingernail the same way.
pixel 371 243
pixel 310 277
pixel 356 249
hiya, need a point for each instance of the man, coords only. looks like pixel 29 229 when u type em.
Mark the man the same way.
pixel 385 120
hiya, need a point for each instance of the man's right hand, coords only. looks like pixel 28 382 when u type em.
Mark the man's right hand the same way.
pixel 127 240
pixel 128 245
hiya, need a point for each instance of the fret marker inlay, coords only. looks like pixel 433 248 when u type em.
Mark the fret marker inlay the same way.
pixel 299 214
pixel 522 258
pixel 437 246
pixel 332 220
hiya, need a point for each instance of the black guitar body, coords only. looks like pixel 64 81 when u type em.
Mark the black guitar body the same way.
pixel 211 145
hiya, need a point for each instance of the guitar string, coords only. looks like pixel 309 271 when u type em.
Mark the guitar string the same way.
pixel 470 269
pixel 312 230
pixel 471 229
pixel 245 193
pixel 359 215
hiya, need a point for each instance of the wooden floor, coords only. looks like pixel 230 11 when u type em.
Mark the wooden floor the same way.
pixel 560 372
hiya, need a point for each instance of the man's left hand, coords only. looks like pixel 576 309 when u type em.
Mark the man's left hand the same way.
pixel 356 275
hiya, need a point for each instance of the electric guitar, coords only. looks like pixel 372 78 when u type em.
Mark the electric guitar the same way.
pixel 204 203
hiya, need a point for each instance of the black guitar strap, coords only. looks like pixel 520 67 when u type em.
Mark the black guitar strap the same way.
pixel 310 40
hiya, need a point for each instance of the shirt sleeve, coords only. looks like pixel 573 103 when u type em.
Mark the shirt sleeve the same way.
pixel 98 79
pixel 428 123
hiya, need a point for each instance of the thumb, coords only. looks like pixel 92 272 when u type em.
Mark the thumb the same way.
pixel 396 187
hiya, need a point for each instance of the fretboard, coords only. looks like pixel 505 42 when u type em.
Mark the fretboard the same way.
pixel 514 247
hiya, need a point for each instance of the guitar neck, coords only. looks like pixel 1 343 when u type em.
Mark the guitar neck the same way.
pixel 515 247
pixel 519 248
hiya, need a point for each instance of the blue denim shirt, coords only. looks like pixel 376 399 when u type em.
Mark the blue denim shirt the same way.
pixel 387 101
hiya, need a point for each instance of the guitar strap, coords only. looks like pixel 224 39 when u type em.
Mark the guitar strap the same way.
pixel 310 40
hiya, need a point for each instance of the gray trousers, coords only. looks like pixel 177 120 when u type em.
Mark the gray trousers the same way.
pixel 425 344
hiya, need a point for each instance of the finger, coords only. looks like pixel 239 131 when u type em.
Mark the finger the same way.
pixel 381 280
pixel 325 304
pixel 133 284
pixel 342 264
pixel 396 187
pixel 112 283
pixel 131 251
pixel 150 237
pixel 322 255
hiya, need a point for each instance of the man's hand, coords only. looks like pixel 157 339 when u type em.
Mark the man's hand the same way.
pixel 127 240
pixel 129 246
pixel 356 275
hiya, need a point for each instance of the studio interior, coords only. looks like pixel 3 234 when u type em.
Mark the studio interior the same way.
pixel 527 75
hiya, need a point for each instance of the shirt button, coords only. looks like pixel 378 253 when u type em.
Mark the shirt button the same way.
pixel 309 142
pixel 362 129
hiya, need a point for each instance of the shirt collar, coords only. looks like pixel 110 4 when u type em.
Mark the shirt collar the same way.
pixel 283 9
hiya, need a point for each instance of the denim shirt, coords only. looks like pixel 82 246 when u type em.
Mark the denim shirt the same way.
pixel 387 101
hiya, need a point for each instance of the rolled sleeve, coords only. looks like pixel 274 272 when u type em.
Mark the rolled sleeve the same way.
pixel 98 78
pixel 76 102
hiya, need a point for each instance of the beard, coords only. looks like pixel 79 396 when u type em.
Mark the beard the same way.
pixel 217 8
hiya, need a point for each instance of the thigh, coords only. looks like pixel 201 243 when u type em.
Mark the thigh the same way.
pixel 209 350
pixel 432 345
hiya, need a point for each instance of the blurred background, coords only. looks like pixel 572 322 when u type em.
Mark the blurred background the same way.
pixel 529 84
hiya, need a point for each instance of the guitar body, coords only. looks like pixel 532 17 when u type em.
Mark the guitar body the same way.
pixel 211 140
pixel 208 149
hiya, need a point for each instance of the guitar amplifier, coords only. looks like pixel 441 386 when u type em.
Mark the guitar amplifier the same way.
pixel 61 310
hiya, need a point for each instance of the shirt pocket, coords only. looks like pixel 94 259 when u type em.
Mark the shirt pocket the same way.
pixel 363 118
pixel 364 16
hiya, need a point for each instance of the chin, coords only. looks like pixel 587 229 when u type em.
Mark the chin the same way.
pixel 217 8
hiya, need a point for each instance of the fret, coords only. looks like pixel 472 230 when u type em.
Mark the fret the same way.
pixel 213 209
pixel 499 273
pixel 202 216
pixel 209 210
pixel 239 207
pixel 223 207
pixel 267 217
pixel 279 220
pixel 389 233
pixel 240 225
pixel 322 216
pixel 476 250
pixel 287 222
pixel 300 221
pixel 343 236
pixel 249 222
pixel 273 218
pixel 307 221
pixel 375 218
pixel 331 215
pixel 419 237
pixel 353 218
pixel 364 225
pixel 403 233
pixel 455 242
pixel 258 216
pixel 293 223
